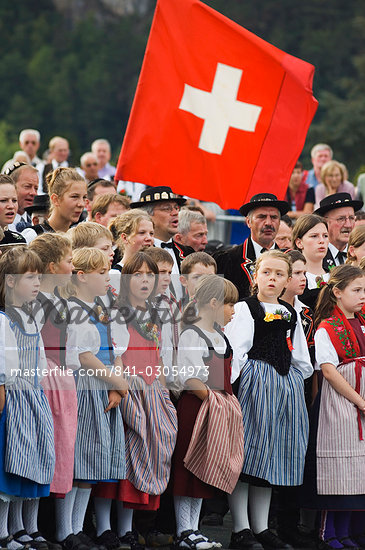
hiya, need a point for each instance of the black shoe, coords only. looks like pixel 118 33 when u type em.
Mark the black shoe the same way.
pixel 270 541
pixel 36 544
pixel 72 542
pixel 244 540
pixel 132 538
pixel 50 545
pixel 109 540
pixel 85 539
pixel 4 543
pixel 298 539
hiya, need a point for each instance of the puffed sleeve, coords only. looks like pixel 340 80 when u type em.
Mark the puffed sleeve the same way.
pixel 240 333
pixel 190 357
pixel 300 358
pixel 9 358
pixel 325 351
pixel 81 338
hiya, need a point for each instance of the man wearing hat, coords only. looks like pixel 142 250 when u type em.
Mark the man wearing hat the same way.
pixel 263 218
pixel 39 211
pixel 339 211
pixel 163 206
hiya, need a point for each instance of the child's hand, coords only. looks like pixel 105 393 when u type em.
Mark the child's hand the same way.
pixel 122 387
pixel 114 400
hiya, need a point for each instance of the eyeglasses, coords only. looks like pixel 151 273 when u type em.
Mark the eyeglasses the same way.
pixel 342 219
pixel 91 164
pixel 29 141
pixel 169 208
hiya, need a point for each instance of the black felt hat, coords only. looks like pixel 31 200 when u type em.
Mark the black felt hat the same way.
pixel 338 200
pixel 157 194
pixel 264 199
pixel 41 203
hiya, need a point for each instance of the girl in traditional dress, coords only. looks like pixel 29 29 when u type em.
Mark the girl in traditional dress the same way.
pixel 55 252
pixel 356 246
pixel 340 450
pixel 204 369
pixel 67 193
pixel 132 232
pixel 91 343
pixel 149 415
pixel 26 432
pixel 270 355
pixel 310 237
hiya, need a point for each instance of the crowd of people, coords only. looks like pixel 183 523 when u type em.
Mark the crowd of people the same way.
pixel 152 377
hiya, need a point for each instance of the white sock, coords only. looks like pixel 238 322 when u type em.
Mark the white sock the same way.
pixel 30 516
pixel 238 504
pixel 260 498
pixel 182 514
pixel 124 519
pixel 79 510
pixel 4 513
pixel 4 533
pixel 102 508
pixel 195 508
pixel 16 519
pixel 63 513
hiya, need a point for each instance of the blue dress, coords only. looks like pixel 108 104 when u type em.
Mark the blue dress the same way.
pixel 27 455
pixel 99 447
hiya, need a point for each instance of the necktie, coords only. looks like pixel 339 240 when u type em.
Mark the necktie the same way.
pixel 341 256
pixel 263 250
pixel 167 245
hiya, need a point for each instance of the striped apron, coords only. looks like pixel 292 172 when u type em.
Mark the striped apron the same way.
pixel 275 423
pixel 99 447
pixel 340 451
pixel 150 419
pixel 29 426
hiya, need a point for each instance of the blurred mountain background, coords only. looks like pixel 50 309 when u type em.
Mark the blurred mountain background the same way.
pixel 70 67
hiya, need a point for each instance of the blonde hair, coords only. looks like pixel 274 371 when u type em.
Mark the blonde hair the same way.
pixel 209 287
pixel 60 180
pixel 87 260
pixel 127 223
pixel 356 239
pixel 328 167
pixel 102 203
pixel 86 234
pixel 276 255
pixel 51 247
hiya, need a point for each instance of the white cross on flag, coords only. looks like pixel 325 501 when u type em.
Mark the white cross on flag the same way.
pixel 219 114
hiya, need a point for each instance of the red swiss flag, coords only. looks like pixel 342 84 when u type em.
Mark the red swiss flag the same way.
pixel 219 114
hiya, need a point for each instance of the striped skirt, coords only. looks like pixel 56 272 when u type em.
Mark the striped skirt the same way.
pixel 340 452
pixel 99 447
pixel 60 390
pixel 29 433
pixel 275 423
pixel 151 429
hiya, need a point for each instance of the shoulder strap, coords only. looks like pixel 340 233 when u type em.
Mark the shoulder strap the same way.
pixel 201 334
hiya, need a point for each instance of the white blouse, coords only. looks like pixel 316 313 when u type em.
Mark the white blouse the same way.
pixel 240 333
pixel 83 335
pixel 325 351
pixel 191 353
pixel 9 359
pixel 311 278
